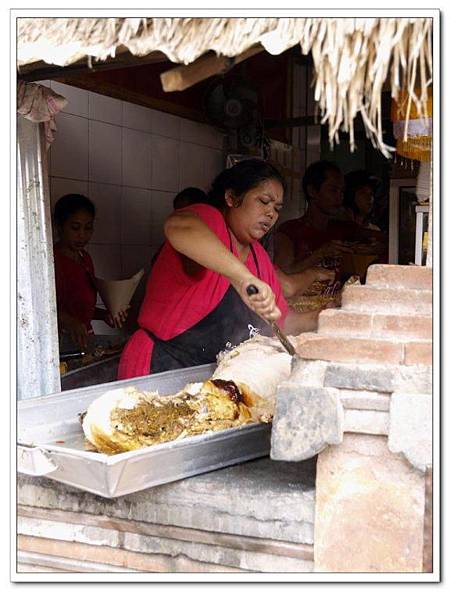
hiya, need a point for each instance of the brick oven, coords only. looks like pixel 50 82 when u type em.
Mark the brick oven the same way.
pixel 361 391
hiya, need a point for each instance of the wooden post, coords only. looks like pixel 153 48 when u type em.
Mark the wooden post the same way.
pixel 185 76
pixel 37 330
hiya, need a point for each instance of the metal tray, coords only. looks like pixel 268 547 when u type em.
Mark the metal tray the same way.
pixel 51 442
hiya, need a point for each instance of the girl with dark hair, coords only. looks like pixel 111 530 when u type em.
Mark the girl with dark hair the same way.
pixel 76 292
pixel 196 302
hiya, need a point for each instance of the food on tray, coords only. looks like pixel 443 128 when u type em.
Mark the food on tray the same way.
pixel 260 363
pixel 241 390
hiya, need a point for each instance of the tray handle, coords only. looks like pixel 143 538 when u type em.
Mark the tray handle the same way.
pixel 34 461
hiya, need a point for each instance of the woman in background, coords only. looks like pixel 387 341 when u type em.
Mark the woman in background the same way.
pixel 359 198
pixel 76 292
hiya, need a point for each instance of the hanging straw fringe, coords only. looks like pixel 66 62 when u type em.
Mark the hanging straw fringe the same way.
pixel 352 57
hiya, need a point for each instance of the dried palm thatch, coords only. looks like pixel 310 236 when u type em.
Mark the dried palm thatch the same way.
pixel 353 57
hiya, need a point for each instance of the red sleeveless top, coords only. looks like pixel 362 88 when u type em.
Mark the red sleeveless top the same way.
pixel 175 301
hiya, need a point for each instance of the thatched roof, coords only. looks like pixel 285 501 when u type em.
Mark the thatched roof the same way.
pixel 353 57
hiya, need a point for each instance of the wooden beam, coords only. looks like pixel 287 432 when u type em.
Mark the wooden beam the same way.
pixel 185 76
pixel 40 71
pixel 114 90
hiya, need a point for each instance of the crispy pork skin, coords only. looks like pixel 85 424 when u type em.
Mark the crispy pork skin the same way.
pixel 241 390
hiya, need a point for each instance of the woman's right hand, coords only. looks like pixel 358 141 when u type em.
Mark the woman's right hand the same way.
pixel 263 303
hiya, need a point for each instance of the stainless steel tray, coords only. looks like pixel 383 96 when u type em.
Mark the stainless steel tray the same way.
pixel 51 442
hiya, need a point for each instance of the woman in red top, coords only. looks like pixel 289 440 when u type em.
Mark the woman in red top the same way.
pixel 196 303
pixel 76 292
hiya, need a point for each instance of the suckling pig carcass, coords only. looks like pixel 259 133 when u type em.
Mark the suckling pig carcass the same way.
pixel 241 390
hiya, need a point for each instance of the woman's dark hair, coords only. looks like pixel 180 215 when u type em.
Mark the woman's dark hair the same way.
pixel 69 204
pixel 316 174
pixel 354 181
pixel 190 195
pixel 242 177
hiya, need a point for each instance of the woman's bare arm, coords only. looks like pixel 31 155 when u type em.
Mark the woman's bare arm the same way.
pixel 193 238
pixel 190 236
pixel 297 283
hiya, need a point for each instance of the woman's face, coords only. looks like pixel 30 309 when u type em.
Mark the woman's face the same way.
pixel 364 200
pixel 77 230
pixel 258 211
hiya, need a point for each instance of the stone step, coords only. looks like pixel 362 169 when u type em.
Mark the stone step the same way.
pixel 348 323
pixel 363 377
pixel 418 353
pixel 315 346
pixel 409 277
pixel 333 348
pixel 387 301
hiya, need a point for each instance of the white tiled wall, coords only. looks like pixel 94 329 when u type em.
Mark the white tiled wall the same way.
pixel 306 140
pixel 130 161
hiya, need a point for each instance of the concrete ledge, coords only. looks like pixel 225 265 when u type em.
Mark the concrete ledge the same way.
pixel 34 520
pixel 260 498
pixel 36 562
pixel 114 557
pixel 120 542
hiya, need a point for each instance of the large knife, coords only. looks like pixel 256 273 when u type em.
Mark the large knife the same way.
pixel 251 290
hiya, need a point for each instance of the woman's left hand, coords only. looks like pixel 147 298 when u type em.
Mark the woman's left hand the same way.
pixel 263 303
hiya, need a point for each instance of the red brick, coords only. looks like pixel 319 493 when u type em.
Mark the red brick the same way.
pixel 400 277
pixel 418 353
pixel 362 298
pixel 403 327
pixel 343 322
pixel 333 348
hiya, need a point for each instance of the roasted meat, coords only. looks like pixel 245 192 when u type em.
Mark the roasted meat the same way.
pixel 241 390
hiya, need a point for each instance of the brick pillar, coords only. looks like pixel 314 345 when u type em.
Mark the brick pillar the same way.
pixel 369 509
pixel 360 397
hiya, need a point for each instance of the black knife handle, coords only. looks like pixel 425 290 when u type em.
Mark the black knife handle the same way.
pixel 252 290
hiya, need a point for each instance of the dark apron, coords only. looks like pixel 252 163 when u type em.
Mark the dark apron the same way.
pixel 229 324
